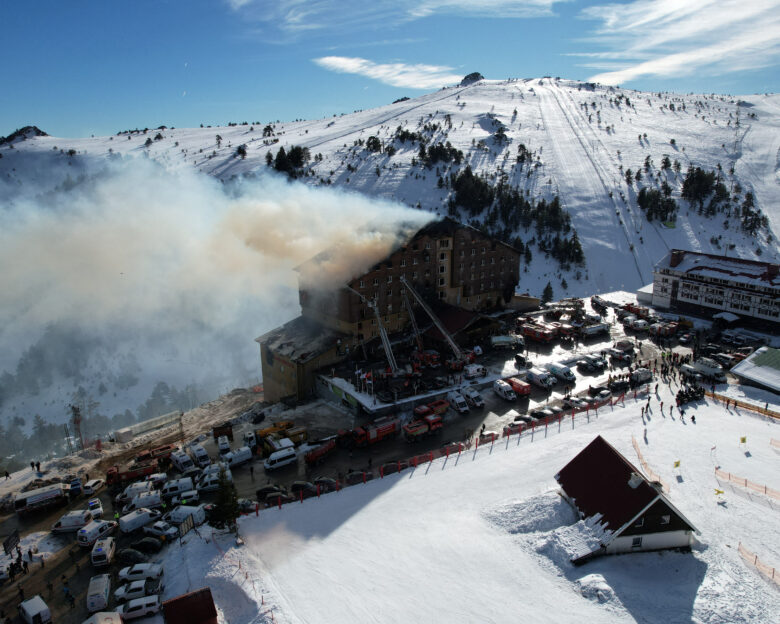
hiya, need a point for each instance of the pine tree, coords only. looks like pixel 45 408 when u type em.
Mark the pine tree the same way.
pixel 547 295
pixel 226 507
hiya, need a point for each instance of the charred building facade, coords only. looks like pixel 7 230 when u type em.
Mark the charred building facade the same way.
pixel 444 261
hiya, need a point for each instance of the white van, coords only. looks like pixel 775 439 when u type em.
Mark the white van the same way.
pixel 93 532
pixel 280 458
pixel 191 496
pixel 213 469
pixel 137 519
pixel 223 444
pixel 133 490
pixel 200 456
pixel 35 611
pixel 177 486
pixel 473 398
pixel 146 500
pixel 181 461
pixel 139 607
pixel 92 486
pixel 504 390
pixel 72 521
pixel 98 592
pixel 239 456
pixel 472 371
pixel 457 402
pixel 103 552
pixel 210 482
pixel 182 512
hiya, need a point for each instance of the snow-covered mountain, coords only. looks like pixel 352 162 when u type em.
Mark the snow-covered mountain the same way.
pixel 541 137
pixel 594 184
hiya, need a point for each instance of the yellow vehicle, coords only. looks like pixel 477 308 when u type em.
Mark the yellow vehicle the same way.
pixel 282 425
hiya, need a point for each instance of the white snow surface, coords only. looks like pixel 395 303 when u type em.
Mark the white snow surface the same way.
pixel 485 537
pixel 583 139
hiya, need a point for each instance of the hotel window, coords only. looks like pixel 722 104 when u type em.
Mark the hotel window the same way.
pixel 414 275
pixel 389 278
pixel 442 256
pixel 441 281
pixel 414 260
pixel 403 262
pixel 427 245
pixel 442 269
pixel 362 284
pixel 473 252
pixel 376 281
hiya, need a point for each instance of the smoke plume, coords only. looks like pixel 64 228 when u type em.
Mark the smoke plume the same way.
pixel 177 268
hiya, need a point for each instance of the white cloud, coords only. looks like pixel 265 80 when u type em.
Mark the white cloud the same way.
pixel 295 16
pixel 395 74
pixel 668 38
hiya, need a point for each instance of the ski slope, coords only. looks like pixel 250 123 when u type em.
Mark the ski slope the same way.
pixel 582 137
pixel 484 537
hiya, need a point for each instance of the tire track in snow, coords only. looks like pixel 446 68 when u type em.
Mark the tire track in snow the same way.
pixel 572 162
pixel 379 120
pixel 596 141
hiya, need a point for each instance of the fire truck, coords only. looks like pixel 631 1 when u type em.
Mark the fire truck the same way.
pixel 369 434
pixel 425 426
pixel 117 474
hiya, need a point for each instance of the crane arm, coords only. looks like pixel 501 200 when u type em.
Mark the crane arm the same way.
pixel 439 325
pixel 382 332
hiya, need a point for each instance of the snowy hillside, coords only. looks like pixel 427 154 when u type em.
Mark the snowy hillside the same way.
pixel 542 138
pixel 484 536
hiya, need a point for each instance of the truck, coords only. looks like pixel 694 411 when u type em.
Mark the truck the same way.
pixel 274 427
pixel 507 341
pixel 425 426
pixel 41 498
pixel 370 434
pixel 709 369
pixel 540 378
pixel 225 429
pixel 561 372
pixel 298 435
pixel 35 611
pixel 472 371
pixel 537 333
pixel 520 387
pixel 160 452
pixel 430 358
pixel 318 454
pixel 594 330
pixel 434 407
pixel 117 474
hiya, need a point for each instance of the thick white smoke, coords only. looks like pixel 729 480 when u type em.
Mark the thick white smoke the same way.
pixel 175 263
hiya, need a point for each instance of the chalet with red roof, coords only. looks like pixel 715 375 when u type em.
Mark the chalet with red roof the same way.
pixel 630 512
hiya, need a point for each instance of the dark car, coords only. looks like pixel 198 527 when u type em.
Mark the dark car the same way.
pixel 262 492
pixel 298 488
pixel 393 467
pixel 130 556
pixel 274 499
pixel 594 391
pixel 358 477
pixel 326 484
pixel 618 385
pixel 147 545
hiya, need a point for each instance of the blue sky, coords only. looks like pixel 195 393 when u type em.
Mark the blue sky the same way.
pixel 98 67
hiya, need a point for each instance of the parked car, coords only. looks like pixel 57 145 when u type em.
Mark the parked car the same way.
pixel 246 505
pixel 140 607
pixel 131 556
pixel 261 492
pixel 282 497
pixel 574 402
pixel 161 529
pixel 308 489
pixel 620 356
pixel 541 413
pixel 326 484
pixel 138 589
pixel 148 545
pixel 357 477
pixel 92 486
pixel 619 385
pixel 686 338
pixel 141 571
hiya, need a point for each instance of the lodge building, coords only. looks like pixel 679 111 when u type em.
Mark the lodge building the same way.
pixel 702 284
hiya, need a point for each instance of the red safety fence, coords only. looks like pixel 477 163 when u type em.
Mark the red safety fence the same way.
pixel 651 474
pixel 749 406
pixel 750 485
pixel 770 573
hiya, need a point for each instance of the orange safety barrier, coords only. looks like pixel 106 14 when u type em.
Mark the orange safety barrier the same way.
pixel 750 485
pixel 651 474
pixel 769 572
pixel 742 404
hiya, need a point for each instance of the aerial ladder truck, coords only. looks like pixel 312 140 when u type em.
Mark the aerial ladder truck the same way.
pixel 382 332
